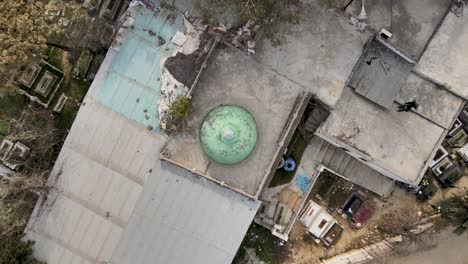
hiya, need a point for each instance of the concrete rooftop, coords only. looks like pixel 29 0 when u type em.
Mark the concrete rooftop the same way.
pixel 380 73
pixel 318 54
pixel 435 103
pixel 412 22
pixel 445 60
pixel 233 78
pixel 399 142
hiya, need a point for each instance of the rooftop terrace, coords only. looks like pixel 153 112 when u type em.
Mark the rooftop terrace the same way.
pixel 399 142
pixel 233 78
pixel 318 54
pixel 445 59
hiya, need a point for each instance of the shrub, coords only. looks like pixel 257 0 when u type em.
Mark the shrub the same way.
pixel 16 251
pixel 180 108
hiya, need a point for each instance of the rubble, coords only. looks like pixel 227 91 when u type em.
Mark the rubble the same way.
pixel 360 26
pixel 245 38
pixel 180 70
pixel 171 89
pixel 145 3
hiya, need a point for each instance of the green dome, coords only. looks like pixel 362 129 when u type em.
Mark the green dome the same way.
pixel 228 134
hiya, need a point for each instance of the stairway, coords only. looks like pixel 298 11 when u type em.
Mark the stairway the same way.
pixel 315 119
pixel 337 160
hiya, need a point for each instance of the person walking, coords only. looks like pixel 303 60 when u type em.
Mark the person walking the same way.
pixel 406 107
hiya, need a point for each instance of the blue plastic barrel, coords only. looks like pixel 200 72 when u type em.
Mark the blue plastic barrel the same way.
pixel 289 164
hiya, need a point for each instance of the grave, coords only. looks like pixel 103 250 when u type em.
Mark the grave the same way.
pixel 45 84
pixel 29 75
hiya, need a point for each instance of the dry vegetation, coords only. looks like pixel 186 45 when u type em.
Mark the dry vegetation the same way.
pixel 18 196
pixel 27 27
pixel 33 127
pixel 267 13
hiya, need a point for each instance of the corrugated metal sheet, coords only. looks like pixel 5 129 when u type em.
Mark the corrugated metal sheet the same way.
pixel 94 186
pixel 184 219
pixel 109 199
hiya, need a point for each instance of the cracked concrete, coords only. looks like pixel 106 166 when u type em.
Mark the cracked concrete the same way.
pixel 412 22
pixel 318 54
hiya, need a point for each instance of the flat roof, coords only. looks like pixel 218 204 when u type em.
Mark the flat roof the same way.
pixel 399 142
pixel 234 78
pixel 127 88
pixel 380 73
pixel 435 102
pixel 318 54
pixel 110 199
pixel 445 59
pixel 412 23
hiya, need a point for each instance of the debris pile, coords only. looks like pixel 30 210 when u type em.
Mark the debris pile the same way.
pixel 458 7
pixel 180 70
pixel 171 89
pixel 360 26
pixel 145 3
pixel 246 36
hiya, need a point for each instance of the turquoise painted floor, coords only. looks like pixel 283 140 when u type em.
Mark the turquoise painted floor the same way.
pixel 133 84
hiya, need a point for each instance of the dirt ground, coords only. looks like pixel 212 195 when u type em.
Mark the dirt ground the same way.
pixel 446 247
pixel 304 250
pixel 445 193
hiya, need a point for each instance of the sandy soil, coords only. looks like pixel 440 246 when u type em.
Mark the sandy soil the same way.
pixel 304 250
pixel 446 247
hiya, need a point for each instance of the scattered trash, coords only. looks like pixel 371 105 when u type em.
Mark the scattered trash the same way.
pixel 360 26
pixel 245 37
pixel 458 7
pixel 161 41
pixel 186 54
pixel 145 3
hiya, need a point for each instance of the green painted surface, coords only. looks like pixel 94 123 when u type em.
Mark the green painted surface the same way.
pixel 228 134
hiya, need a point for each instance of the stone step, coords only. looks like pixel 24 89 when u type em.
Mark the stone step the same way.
pixel 329 155
pixel 322 152
pixel 337 159
pixel 317 116
pixel 314 147
pixel 349 168
pixel 344 163
pixel 370 179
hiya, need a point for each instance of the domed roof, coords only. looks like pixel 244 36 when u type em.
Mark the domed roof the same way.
pixel 228 134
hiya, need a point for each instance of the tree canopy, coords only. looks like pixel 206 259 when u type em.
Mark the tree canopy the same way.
pixel 27 26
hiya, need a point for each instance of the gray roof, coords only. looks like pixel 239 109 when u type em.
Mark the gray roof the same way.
pixel 445 59
pixel 233 78
pixel 435 102
pixel 380 73
pixel 184 219
pixel 399 143
pixel 318 54
pixel 110 199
